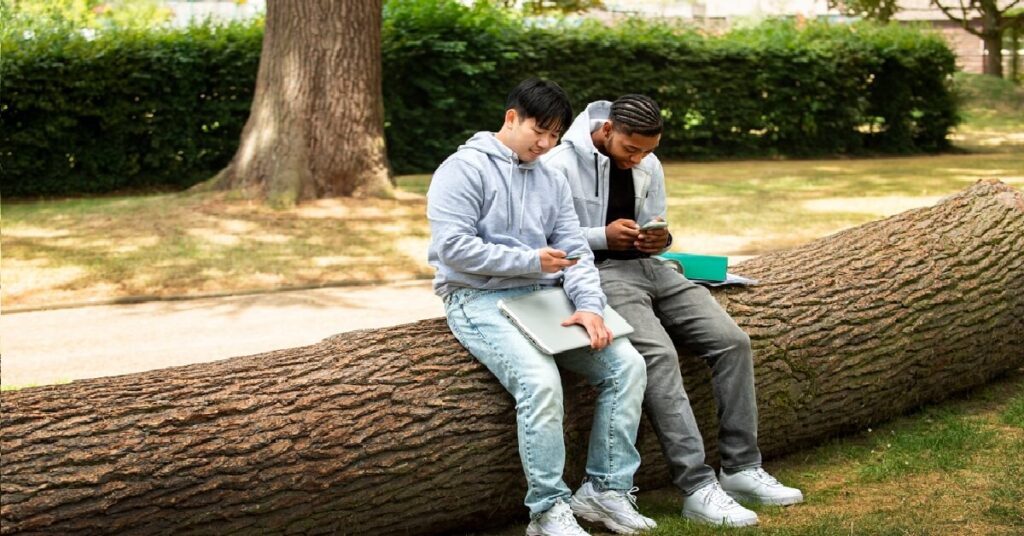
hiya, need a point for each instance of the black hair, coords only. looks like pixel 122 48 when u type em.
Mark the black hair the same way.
pixel 637 114
pixel 544 101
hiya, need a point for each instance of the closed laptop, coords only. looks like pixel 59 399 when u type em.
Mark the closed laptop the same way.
pixel 539 316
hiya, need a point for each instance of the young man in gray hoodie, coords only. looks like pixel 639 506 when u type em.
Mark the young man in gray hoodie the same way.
pixel 501 226
pixel 618 185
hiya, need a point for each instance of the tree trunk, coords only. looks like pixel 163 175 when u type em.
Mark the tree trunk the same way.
pixel 399 430
pixel 993 54
pixel 316 128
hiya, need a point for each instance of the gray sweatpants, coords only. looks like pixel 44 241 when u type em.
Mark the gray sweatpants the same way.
pixel 661 305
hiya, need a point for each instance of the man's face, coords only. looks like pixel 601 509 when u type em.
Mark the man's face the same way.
pixel 526 138
pixel 627 150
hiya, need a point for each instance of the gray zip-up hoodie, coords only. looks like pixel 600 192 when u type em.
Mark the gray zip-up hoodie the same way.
pixel 588 173
pixel 489 214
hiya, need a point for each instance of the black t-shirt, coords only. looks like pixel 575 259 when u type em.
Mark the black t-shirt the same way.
pixel 621 199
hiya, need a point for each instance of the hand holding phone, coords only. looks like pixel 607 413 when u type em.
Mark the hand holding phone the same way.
pixel 654 224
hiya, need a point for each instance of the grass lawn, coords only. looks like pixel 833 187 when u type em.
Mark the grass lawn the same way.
pixel 77 250
pixel 952 469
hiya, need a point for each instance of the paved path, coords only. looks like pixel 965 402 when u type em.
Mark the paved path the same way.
pixel 61 345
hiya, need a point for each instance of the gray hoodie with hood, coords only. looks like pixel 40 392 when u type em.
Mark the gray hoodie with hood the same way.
pixel 588 171
pixel 489 214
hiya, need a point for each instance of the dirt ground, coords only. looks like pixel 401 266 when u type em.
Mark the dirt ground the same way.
pixel 56 346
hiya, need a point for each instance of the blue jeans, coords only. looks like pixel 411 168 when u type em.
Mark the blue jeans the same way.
pixel 532 377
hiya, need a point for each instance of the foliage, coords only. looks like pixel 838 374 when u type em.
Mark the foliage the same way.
pixel 137 109
pixel 126 109
pixel 445 76
pixel 777 89
pixel 63 16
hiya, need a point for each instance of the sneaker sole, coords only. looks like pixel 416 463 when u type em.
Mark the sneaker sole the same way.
pixel 584 512
pixel 710 521
pixel 755 499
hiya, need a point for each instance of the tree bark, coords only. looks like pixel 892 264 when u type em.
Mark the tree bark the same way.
pixel 316 128
pixel 399 430
pixel 993 65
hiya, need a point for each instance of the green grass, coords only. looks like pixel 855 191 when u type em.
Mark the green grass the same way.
pixel 751 207
pixel 171 244
pixel 936 441
pixel 1014 414
pixel 75 250
pixel 992 110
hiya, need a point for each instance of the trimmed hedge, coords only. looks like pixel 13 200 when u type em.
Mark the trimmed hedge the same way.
pixel 126 110
pixel 166 108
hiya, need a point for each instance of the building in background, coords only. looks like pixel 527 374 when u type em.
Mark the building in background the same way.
pixel 188 12
pixel 718 15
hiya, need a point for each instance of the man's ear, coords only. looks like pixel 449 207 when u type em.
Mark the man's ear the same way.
pixel 511 118
pixel 606 128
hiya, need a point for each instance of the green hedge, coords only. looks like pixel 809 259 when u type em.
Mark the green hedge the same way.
pixel 126 110
pixel 166 108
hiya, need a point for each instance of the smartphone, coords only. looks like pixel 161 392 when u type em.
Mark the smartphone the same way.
pixel 654 225
pixel 575 256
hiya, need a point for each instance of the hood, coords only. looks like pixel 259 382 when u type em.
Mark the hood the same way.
pixel 593 116
pixel 487 143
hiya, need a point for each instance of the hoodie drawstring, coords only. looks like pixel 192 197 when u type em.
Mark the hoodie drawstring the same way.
pixel 522 206
pixel 597 178
pixel 508 187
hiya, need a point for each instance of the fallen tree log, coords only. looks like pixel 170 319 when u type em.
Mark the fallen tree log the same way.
pixel 399 430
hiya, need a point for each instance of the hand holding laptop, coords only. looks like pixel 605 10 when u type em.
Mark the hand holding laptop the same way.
pixel 550 320
pixel 600 335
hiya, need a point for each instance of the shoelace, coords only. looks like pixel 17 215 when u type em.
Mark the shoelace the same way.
pixel 717 496
pixel 630 496
pixel 565 518
pixel 763 476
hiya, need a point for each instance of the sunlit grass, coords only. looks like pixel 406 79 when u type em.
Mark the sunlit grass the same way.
pixel 173 244
pixel 76 250
pixel 751 207
pixel 992 113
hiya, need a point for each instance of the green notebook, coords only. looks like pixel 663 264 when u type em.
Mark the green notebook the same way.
pixel 709 267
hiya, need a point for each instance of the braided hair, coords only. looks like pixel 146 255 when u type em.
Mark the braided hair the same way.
pixel 637 114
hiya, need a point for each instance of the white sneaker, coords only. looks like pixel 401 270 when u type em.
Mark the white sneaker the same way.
pixel 616 510
pixel 710 504
pixel 757 486
pixel 557 521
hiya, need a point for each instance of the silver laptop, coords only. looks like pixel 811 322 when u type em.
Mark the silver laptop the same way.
pixel 539 316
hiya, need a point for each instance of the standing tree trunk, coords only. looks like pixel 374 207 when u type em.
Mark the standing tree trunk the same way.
pixel 399 430
pixel 316 128
pixel 993 23
pixel 993 53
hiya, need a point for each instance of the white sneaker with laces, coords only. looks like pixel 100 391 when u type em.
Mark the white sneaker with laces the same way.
pixel 757 486
pixel 557 521
pixel 710 504
pixel 614 509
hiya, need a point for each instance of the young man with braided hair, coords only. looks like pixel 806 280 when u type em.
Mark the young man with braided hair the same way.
pixel 618 185
pixel 501 224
